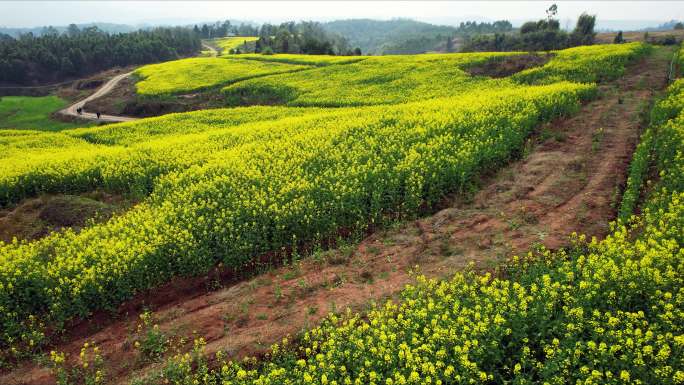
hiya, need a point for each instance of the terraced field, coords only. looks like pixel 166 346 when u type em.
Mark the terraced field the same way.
pixel 355 144
pixel 196 74
pixel 233 42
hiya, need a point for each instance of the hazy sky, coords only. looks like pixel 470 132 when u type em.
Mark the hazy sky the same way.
pixel 32 13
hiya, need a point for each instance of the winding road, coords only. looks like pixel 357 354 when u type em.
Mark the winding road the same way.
pixel 106 88
pixel 213 50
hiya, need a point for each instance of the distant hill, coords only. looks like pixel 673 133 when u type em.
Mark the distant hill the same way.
pixel 105 27
pixel 391 36
pixel 665 26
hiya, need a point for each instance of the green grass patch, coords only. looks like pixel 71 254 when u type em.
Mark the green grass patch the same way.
pixel 26 112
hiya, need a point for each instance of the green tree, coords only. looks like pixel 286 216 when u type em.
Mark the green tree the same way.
pixel 72 30
pixel 618 38
pixel 529 27
pixel 584 34
pixel 450 44
pixel 551 12
pixel 67 67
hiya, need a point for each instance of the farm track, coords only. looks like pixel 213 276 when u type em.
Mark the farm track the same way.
pixel 104 90
pixel 567 182
pixel 214 52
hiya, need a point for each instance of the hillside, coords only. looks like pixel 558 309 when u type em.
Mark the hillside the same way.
pixel 334 183
pixel 38 31
pixel 391 36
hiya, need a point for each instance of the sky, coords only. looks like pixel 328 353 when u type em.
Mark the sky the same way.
pixel 40 13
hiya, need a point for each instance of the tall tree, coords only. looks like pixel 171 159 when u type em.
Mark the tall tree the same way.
pixel 450 44
pixel 551 12
pixel 583 33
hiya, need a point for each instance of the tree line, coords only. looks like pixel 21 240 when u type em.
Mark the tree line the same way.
pixel 55 56
pixel 223 29
pixel 306 37
pixel 542 35
pixel 405 36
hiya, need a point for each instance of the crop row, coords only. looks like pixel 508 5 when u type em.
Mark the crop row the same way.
pixel 606 312
pixel 229 185
pixel 650 145
pixel 232 42
pixel 197 74
pixel 375 80
pixel 138 152
pixel 125 158
pixel 602 312
pixel 398 79
pixel 302 179
pixel 317 60
pixel 585 64
pixel 354 81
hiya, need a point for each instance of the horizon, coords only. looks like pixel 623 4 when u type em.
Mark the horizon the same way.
pixel 610 15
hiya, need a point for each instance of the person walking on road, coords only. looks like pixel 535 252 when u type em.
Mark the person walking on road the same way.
pixel 98 115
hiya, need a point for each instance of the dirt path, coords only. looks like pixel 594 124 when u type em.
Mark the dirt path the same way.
pixel 213 50
pixel 567 182
pixel 106 88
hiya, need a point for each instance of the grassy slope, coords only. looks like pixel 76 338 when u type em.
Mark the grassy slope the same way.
pixel 23 112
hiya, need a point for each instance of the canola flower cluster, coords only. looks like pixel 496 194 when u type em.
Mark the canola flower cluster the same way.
pixel 196 74
pixel 302 180
pixel 226 186
pixel 608 312
pixel 290 58
pixel 655 145
pixel 232 42
pixel 398 79
pixel 89 370
pixel 585 64
pixel 127 158
pixel 602 312
pixel 374 80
